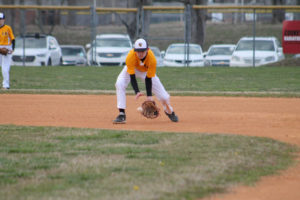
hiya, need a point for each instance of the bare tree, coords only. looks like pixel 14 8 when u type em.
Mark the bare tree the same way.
pixel 10 14
pixel 278 15
pixel 297 15
pixel 134 28
pixel 198 21
pixel 71 18
pixel 47 17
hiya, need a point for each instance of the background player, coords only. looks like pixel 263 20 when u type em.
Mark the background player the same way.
pixel 7 40
pixel 141 62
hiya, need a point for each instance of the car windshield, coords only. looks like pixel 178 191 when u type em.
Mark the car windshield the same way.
pixel 214 51
pixel 181 50
pixel 113 42
pixel 69 51
pixel 31 42
pixel 260 45
pixel 155 51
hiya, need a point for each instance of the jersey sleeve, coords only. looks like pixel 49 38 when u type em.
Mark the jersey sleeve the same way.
pixel 11 34
pixel 131 62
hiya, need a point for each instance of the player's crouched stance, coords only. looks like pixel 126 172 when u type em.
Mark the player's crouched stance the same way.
pixel 141 62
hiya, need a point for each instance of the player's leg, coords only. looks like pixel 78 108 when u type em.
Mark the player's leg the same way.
pixel 1 64
pixel 161 94
pixel 121 85
pixel 5 70
pixel 159 91
pixel 164 97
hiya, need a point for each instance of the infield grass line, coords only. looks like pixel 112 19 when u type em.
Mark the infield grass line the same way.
pixel 174 93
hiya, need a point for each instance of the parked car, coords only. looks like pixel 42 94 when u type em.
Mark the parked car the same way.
pixel 219 55
pixel 176 56
pixel 73 55
pixel 267 50
pixel 40 50
pixel 159 59
pixel 296 55
pixel 109 50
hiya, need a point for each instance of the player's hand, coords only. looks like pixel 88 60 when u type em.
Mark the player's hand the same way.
pixel 138 95
pixel 149 98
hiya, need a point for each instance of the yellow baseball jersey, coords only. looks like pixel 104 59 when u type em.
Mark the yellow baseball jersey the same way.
pixel 148 65
pixel 6 35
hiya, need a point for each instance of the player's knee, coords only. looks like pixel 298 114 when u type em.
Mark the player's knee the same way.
pixel 164 98
pixel 119 85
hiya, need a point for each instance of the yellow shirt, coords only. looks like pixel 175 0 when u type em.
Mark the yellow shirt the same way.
pixel 149 64
pixel 6 35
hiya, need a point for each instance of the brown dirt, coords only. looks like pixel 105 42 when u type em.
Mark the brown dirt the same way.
pixel 277 118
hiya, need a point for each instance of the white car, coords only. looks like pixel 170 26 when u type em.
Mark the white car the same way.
pixel 157 53
pixel 267 50
pixel 109 50
pixel 40 50
pixel 219 55
pixel 176 55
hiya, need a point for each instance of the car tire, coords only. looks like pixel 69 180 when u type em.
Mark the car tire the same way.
pixel 49 62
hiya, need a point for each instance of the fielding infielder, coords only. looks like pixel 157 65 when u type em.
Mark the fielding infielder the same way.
pixel 141 62
pixel 7 40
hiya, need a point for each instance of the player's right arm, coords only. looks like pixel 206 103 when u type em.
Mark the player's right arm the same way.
pixel 131 62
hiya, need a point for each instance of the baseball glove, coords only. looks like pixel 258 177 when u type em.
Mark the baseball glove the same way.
pixel 4 51
pixel 149 109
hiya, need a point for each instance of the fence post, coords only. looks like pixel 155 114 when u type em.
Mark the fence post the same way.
pixel 254 34
pixel 142 22
pixel 23 32
pixel 93 32
pixel 137 33
pixel 187 33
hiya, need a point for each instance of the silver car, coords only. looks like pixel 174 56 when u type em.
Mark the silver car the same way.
pixel 73 55
pixel 159 59
pixel 219 55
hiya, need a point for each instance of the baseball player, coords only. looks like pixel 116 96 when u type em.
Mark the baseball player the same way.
pixel 7 40
pixel 141 62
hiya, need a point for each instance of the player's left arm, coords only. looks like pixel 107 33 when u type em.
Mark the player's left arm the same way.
pixel 148 83
pixel 13 44
pixel 134 83
pixel 12 38
pixel 151 63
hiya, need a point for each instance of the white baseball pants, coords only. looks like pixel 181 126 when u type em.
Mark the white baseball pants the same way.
pixel 5 66
pixel 157 88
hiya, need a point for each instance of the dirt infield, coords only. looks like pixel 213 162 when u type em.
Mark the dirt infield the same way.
pixel 277 118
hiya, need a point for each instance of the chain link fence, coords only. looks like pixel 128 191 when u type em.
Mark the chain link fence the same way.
pixel 161 26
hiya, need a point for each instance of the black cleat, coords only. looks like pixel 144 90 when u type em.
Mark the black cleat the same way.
pixel 172 117
pixel 121 119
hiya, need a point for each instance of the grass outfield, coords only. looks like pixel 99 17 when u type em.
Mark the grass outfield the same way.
pixel 266 81
pixel 68 163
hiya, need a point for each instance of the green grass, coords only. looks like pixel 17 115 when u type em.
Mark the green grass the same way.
pixel 284 80
pixel 68 163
